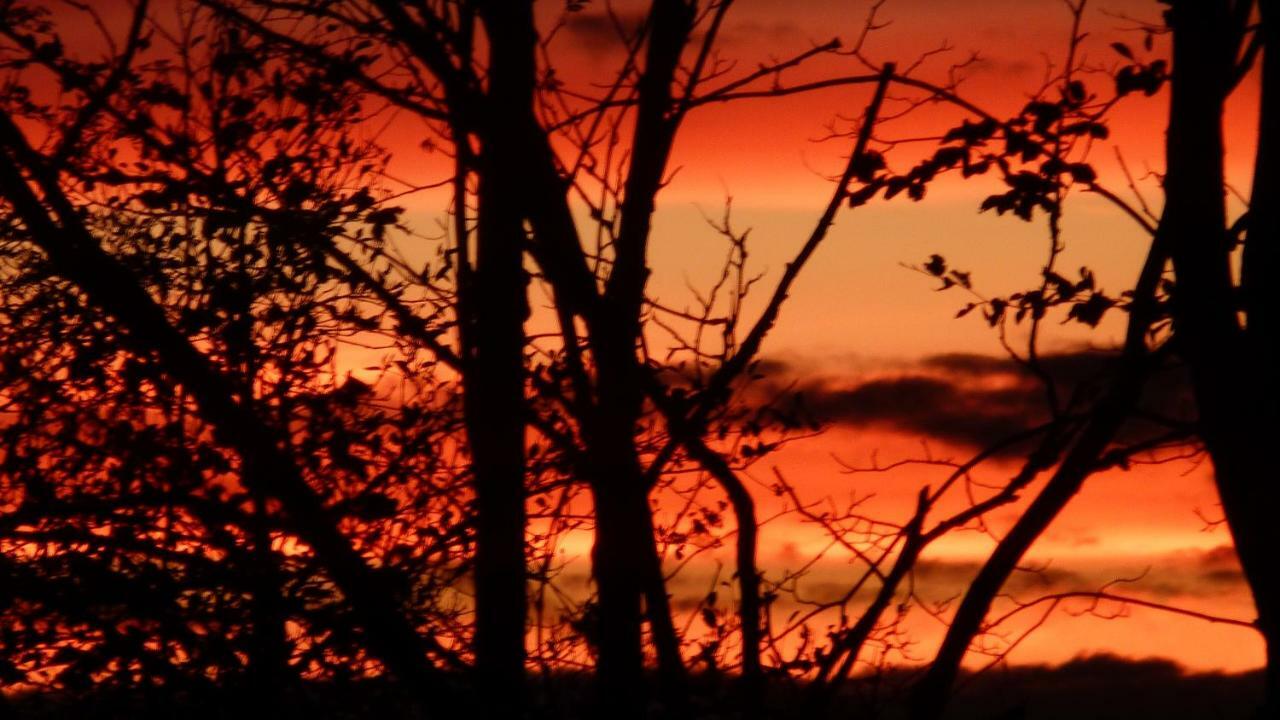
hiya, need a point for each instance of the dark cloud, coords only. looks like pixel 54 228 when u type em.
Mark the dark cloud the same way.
pixel 945 577
pixel 1223 556
pixel 752 32
pixel 931 406
pixel 1073 368
pixel 1005 68
pixel 968 400
pixel 1170 577
pixel 775 367
pixel 1216 571
pixel 598 33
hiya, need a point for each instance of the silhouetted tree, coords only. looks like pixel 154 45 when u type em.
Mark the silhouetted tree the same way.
pixel 1197 312
pixel 169 234
pixel 607 382
pixel 196 239
pixel 1224 327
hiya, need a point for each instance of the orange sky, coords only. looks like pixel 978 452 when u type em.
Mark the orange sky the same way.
pixel 857 313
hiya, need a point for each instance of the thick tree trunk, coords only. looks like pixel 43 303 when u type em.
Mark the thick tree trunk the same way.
pixel 1246 478
pixel 625 558
pixel 1235 385
pixel 620 571
pixel 627 567
pixel 1262 246
pixel 496 305
pixel 495 413
pixel 615 332
pixel 1262 303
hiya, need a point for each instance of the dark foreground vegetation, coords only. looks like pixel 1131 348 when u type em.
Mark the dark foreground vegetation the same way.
pixel 1094 688
pixel 258 420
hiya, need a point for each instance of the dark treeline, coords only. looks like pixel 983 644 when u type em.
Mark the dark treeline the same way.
pixel 1101 687
pixel 265 434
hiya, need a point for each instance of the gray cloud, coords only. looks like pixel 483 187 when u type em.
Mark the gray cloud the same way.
pixel 1004 68
pixel 598 33
pixel 1168 577
pixel 968 400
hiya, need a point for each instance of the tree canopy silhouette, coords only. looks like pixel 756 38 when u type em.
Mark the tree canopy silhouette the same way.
pixel 262 428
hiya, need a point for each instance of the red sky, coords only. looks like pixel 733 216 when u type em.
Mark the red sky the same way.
pixel 858 314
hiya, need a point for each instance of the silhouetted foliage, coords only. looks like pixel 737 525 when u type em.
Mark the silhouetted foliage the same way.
pixel 265 435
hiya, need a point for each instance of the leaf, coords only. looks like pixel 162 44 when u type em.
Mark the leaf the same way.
pixel 1000 203
pixel 971 133
pixel 1090 312
pixel 1064 287
pixel 1076 128
pixel 978 168
pixel 1082 172
pixel 1123 49
pixel 384 216
pixel 1075 93
pixel 864 195
pixel 1127 80
pixel 1086 279
pixel 950 156
pixel 894 186
pixel 50 51
pixel 709 617
pixel 867 164
pixel 996 313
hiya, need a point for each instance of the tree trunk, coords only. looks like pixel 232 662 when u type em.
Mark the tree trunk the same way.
pixel 750 610
pixel 496 304
pixel 672 678
pixel 495 415
pixel 625 541
pixel 618 564
pixel 615 326
pixel 1260 267
pixel 1234 384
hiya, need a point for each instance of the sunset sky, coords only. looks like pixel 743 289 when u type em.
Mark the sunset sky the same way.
pixel 858 320
pixel 861 331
